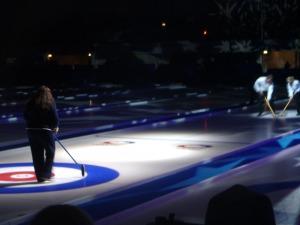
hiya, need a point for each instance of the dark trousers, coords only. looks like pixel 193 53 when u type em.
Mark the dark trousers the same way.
pixel 42 146
pixel 296 99
pixel 262 103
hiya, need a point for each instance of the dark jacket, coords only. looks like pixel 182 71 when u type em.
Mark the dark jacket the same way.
pixel 37 117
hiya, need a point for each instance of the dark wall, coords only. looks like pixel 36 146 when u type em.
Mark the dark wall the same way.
pixel 191 68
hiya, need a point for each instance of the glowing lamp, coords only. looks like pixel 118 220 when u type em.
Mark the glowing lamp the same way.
pixel 49 56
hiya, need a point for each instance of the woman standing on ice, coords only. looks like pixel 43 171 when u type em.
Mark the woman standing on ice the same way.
pixel 41 119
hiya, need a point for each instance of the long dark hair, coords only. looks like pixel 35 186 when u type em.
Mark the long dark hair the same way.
pixel 43 98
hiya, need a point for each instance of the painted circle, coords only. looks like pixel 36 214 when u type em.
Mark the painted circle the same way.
pixel 113 143
pixel 20 177
pixel 193 146
pixel 17 176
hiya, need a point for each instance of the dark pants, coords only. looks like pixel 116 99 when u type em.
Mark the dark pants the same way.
pixel 296 98
pixel 262 103
pixel 42 146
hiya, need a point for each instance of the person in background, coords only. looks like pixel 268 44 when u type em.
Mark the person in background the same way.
pixel 264 88
pixel 239 205
pixel 41 119
pixel 293 90
pixel 61 215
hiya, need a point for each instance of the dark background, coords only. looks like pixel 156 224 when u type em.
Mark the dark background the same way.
pixel 30 29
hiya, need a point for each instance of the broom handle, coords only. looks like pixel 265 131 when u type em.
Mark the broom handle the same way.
pixel 268 104
pixel 286 105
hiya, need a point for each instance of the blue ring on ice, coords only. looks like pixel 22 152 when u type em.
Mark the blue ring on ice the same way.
pixel 95 175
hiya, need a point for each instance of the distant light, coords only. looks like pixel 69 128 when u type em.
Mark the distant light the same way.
pixel 49 56
pixel 90 54
pixel 265 52
pixel 205 33
pixel 163 24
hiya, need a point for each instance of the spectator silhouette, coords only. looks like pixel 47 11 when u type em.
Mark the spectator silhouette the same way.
pixel 239 206
pixel 61 215
pixel 297 222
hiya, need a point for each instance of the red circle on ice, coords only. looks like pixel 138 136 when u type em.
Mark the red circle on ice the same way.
pixel 18 176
